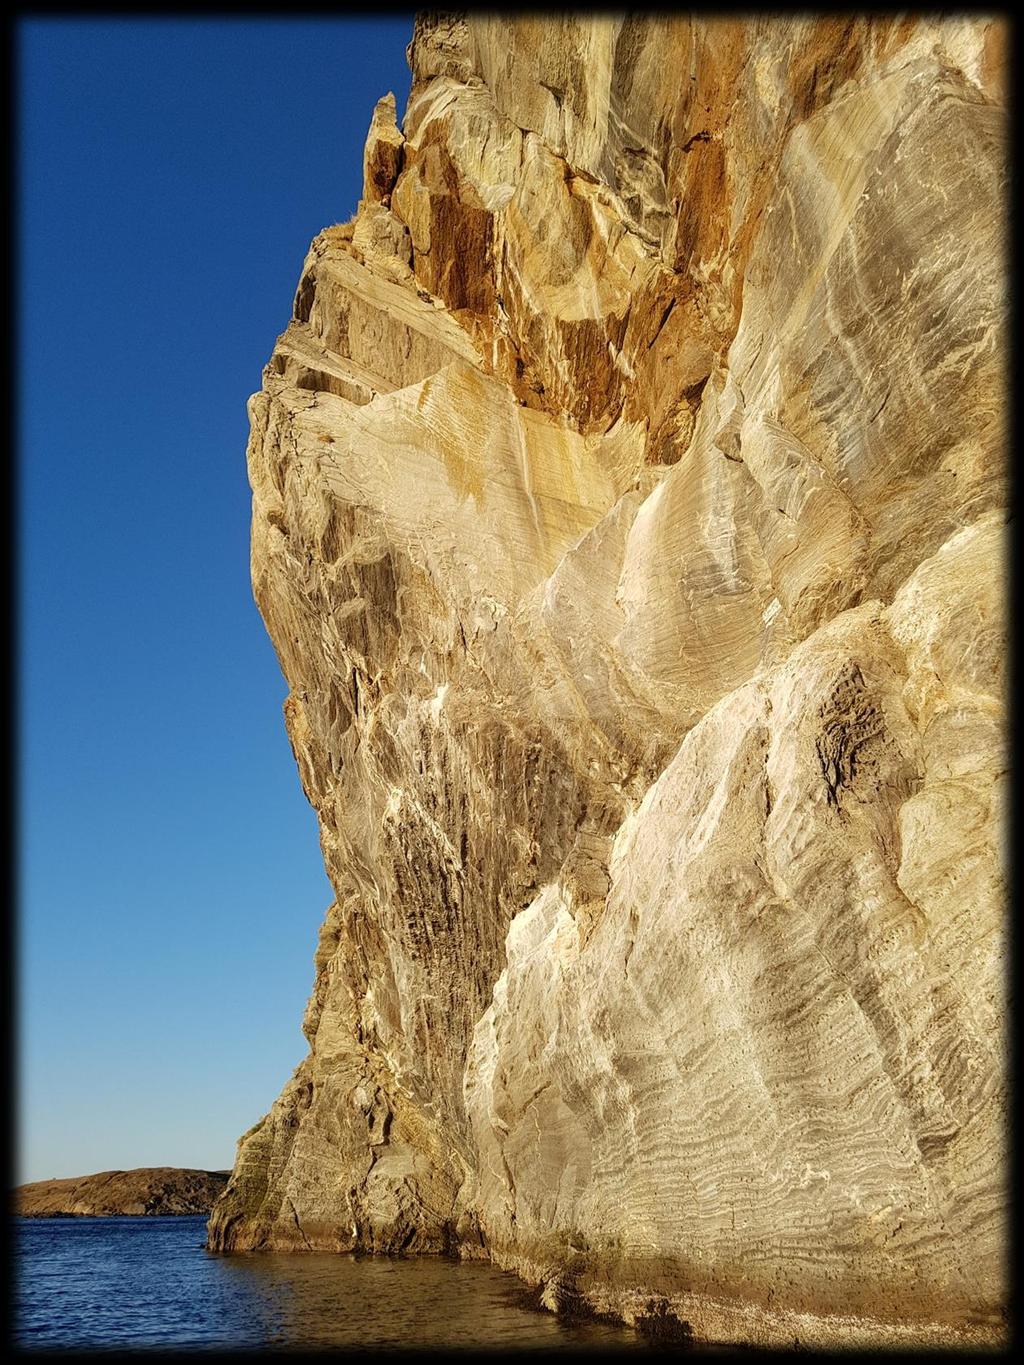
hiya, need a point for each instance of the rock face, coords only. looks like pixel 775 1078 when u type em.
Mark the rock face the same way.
pixel 628 517
pixel 152 1190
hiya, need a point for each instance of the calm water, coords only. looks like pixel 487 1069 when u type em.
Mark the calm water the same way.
pixel 131 1282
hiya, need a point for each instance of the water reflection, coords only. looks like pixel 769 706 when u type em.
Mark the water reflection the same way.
pixel 149 1282
pixel 324 1300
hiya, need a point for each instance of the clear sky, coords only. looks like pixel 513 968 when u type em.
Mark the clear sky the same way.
pixel 171 175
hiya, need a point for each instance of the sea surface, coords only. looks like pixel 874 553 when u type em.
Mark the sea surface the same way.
pixel 124 1283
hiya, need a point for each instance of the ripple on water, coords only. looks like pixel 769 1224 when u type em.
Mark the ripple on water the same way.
pixel 125 1282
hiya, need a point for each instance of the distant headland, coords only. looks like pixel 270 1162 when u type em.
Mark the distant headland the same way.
pixel 148 1190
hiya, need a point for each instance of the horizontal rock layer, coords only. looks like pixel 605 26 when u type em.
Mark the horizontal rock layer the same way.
pixel 147 1190
pixel 628 517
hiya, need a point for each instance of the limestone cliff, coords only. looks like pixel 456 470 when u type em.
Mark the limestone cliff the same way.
pixel 628 517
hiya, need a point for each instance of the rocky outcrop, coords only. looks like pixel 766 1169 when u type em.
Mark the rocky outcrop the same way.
pixel 628 517
pixel 148 1190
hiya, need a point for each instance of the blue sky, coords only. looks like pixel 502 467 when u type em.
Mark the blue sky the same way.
pixel 172 173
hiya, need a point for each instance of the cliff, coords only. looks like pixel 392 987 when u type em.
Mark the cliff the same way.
pixel 152 1190
pixel 629 495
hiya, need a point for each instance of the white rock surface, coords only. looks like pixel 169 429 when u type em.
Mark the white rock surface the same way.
pixel 628 516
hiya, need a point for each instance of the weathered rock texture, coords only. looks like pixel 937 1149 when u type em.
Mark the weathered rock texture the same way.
pixel 150 1189
pixel 628 518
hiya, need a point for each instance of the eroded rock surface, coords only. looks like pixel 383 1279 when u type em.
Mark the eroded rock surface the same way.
pixel 628 517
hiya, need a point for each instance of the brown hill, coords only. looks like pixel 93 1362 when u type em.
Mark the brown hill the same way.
pixel 148 1190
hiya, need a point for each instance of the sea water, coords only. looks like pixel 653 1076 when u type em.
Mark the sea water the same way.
pixel 123 1283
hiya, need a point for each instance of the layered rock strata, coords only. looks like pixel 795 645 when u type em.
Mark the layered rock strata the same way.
pixel 628 517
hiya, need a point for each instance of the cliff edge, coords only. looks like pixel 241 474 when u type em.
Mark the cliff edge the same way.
pixel 629 502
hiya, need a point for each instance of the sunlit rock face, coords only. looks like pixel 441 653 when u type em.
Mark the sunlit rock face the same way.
pixel 628 517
